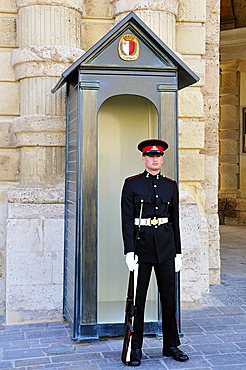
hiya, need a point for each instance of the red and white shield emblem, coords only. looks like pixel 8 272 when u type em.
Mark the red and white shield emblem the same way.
pixel 128 47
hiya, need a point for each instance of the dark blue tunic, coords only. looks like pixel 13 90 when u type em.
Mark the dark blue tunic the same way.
pixel 154 244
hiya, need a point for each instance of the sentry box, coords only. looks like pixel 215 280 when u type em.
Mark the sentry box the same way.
pixel 122 90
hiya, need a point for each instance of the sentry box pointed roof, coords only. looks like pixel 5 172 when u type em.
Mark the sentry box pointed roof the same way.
pixel 151 54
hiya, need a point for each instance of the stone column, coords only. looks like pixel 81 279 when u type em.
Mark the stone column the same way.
pixel 190 43
pixel 49 41
pixel 159 15
pixel 210 93
pixel 229 139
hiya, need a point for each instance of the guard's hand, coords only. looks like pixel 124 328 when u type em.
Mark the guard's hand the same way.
pixel 178 262
pixel 131 261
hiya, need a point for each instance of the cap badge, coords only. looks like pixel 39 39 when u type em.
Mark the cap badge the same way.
pixel 128 47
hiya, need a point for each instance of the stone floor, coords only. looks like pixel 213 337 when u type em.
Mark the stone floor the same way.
pixel 214 335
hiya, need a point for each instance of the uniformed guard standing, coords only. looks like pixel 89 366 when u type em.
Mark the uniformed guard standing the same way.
pixel 150 203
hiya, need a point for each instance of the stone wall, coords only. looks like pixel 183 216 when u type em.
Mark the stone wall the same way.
pixel 48 35
pixel 9 108
pixel 232 183
pixel 32 138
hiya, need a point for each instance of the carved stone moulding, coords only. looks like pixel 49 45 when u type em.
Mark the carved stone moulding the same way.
pixel 125 6
pixel 43 60
pixel 73 4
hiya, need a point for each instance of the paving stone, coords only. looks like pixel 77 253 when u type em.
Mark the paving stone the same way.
pixel 6 365
pixel 224 320
pixel 209 349
pixel 194 362
pixel 232 310
pixel 193 330
pixel 226 367
pixel 20 353
pixel 10 337
pixel 95 347
pixel 75 357
pixel 241 345
pixel 219 329
pixel 58 350
pixel 203 339
pixel 227 359
pixel 46 333
pixel 32 361
pixel 237 337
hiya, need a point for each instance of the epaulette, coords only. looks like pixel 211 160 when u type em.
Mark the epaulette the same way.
pixel 133 177
pixel 168 178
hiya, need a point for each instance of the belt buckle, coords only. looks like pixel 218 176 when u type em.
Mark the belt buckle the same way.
pixel 154 221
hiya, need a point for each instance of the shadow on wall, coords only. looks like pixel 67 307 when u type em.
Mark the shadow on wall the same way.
pixel 232 211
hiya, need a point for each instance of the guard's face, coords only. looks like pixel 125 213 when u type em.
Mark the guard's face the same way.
pixel 153 163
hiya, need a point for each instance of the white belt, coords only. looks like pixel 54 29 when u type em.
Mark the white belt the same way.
pixel 150 221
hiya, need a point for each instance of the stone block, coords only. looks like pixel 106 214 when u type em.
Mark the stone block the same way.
pixel 211 200
pixel 6 134
pixel 191 167
pixel 191 103
pixel 42 165
pixel 54 235
pixel 9 102
pixel 189 12
pixel 228 99
pixel 8 31
pixel 32 101
pixel 8 6
pixel 214 258
pixel 41 139
pixel 211 171
pixel 26 267
pixel 229 158
pixel 47 30
pixel 134 5
pixel 229 134
pixel 191 134
pixel 229 120
pixel 94 31
pixel 214 275
pixel 7 72
pixel 24 236
pixel 241 204
pixel 190 291
pixel 189 225
pixel 57 267
pixel 229 83
pixel 185 32
pixel 212 80
pixel 32 211
pixel 228 181
pixel 191 265
pixel 35 195
pixel 9 164
pixel 31 297
pixel 102 9
pixel 229 146
pixel 39 131
pixel 196 64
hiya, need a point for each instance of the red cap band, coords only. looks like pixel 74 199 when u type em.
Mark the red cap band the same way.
pixel 153 148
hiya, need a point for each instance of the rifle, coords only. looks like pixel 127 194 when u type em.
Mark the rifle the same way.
pixel 129 314
pixel 130 308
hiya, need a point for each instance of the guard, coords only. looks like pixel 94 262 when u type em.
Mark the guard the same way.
pixel 150 228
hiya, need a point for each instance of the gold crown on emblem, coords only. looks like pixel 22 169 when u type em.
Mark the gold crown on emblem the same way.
pixel 129 37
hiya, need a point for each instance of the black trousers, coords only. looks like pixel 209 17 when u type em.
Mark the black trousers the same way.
pixel 165 277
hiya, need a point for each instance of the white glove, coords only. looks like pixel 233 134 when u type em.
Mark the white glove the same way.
pixel 131 261
pixel 178 262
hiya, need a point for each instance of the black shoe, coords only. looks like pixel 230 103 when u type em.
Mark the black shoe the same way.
pixel 135 357
pixel 175 353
